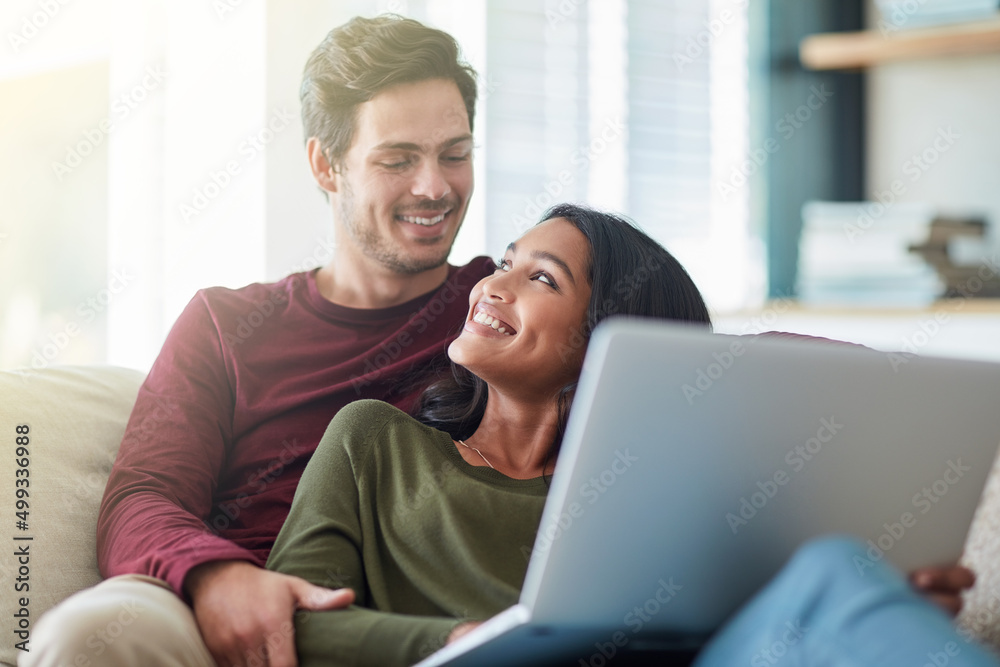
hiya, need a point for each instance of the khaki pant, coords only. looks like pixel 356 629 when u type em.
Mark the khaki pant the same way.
pixel 126 621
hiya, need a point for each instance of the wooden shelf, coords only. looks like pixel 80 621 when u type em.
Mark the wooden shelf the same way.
pixel 854 50
pixel 957 306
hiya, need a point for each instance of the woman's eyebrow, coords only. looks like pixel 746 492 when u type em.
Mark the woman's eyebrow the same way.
pixel 555 259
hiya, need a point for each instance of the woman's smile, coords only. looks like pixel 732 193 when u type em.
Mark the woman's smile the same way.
pixel 490 318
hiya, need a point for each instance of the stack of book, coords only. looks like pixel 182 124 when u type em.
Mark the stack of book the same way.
pixel 858 253
pixel 902 14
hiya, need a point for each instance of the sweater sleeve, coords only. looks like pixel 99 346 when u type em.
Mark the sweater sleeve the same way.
pixel 321 542
pixel 159 493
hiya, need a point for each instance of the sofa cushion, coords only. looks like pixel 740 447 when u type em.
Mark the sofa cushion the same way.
pixel 75 418
pixel 980 617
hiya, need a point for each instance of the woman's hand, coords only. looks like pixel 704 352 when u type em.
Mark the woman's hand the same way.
pixel 462 629
pixel 943 585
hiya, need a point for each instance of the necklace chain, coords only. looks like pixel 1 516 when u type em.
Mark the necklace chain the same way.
pixel 477 452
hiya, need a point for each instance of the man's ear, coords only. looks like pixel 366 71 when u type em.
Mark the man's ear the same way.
pixel 324 174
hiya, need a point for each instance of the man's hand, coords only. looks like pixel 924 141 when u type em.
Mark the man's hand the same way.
pixel 943 585
pixel 245 612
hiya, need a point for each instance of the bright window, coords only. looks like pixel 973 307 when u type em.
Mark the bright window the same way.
pixel 638 106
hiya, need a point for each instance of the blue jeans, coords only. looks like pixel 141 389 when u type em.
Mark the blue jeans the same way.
pixel 823 610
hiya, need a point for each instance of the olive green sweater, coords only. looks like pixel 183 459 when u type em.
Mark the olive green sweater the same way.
pixel 388 507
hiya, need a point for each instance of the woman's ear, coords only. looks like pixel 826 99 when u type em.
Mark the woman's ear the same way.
pixel 322 171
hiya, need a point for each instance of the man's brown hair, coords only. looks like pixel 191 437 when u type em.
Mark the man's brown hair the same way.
pixel 364 56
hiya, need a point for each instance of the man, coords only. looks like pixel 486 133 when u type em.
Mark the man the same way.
pixel 248 379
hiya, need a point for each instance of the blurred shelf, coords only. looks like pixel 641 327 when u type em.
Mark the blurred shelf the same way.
pixel 973 305
pixel 855 50
pixel 957 328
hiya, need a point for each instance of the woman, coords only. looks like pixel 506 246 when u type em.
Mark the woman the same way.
pixel 427 518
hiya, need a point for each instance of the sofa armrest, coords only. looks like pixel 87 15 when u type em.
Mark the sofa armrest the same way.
pixel 75 417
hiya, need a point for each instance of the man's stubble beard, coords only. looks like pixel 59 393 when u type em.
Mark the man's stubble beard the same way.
pixel 367 238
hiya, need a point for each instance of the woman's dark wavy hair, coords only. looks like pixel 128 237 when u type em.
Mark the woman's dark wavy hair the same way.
pixel 359 59
pixel 629 273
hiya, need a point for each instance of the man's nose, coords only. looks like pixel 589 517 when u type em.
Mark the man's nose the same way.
pixel 429 181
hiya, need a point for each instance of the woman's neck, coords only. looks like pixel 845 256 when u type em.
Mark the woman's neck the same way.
pixel 516 437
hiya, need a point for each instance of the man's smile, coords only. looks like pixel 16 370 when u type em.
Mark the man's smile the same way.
pixel 424 221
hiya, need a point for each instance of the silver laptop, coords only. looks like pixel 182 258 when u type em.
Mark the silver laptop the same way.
pixel 694 464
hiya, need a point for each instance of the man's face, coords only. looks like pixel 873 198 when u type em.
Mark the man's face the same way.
pixel 404 184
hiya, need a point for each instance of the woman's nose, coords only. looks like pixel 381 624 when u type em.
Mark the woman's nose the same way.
pixel 500 287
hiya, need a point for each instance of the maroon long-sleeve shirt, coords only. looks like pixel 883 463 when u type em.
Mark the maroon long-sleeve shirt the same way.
pixel 235 404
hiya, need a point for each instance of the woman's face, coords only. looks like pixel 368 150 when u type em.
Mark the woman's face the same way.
pixel 524 329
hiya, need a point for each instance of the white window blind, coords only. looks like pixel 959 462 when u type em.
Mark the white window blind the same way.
pixel 637 106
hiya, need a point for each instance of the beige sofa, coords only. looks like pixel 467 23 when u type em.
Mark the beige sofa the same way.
pixel 76 417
